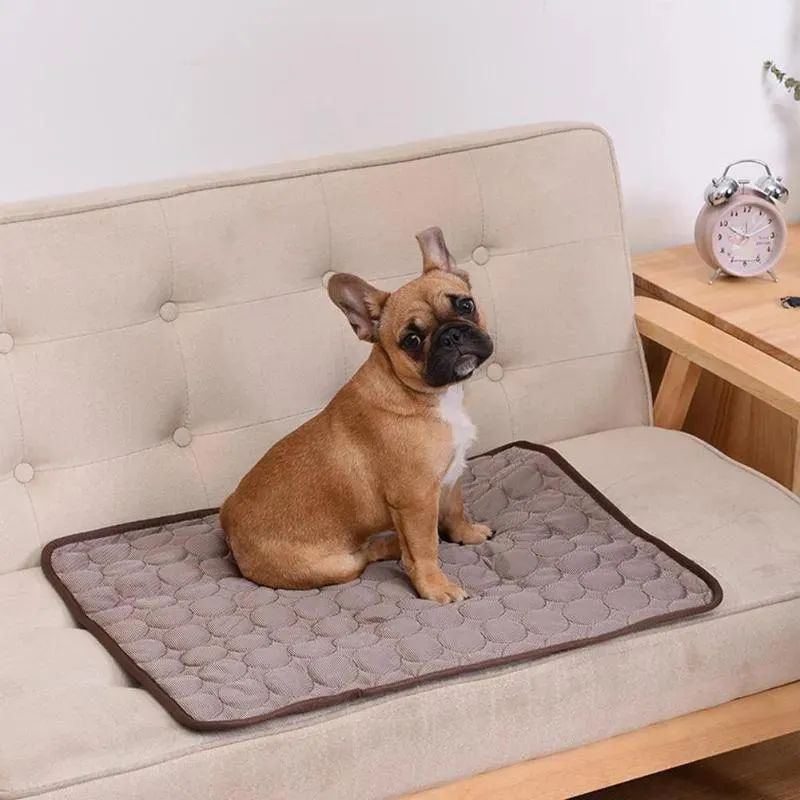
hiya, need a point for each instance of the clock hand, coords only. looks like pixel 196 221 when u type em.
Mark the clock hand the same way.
pixel 737 231
pixel 763 227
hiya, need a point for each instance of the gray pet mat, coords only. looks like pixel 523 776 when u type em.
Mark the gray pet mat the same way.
pixel 565 568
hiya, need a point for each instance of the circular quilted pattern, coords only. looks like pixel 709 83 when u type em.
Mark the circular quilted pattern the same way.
pixel 560 568
pixel 276 655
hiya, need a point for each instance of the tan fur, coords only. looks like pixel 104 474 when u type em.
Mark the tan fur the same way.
pixel 306 515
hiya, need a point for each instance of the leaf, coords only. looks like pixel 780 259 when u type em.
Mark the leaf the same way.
pixel 797 93
pixel 767 64
pixel 790 83
pixel 777 73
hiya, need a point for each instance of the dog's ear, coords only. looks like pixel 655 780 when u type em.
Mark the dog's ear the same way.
pixel 435 254
pixel 361 303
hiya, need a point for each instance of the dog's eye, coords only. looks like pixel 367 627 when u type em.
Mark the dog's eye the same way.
pixel 465 306
pixel 411 341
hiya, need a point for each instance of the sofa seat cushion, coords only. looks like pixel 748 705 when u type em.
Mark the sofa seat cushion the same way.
pixel 73 727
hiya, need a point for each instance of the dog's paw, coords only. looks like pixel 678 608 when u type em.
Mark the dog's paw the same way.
pixel 471 533
pixel 443 592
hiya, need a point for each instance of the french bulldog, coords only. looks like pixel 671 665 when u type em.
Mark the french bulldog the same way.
pixel 386 453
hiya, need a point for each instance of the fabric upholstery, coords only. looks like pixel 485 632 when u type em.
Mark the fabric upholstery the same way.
pixel 201 307
pixel 80 732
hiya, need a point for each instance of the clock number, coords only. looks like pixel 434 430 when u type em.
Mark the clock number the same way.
pixel 769 249
pixel 724 224
pixel 719 236
pixel 772 235
pixel 748 209
pixel 722 249
pixel 758 259
pixel 734 213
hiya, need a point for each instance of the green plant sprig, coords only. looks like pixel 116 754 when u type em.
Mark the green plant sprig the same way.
pixel 791 84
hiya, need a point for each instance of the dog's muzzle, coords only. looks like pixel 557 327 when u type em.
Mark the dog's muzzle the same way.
pixel 457 350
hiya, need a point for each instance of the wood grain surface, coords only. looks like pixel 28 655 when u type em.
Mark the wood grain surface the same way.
pixel 748 308
pixel 741 425
pixel 734 361
pixel 766 771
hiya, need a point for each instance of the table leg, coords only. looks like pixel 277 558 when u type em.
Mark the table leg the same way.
pixel 740 425
pixel 675 392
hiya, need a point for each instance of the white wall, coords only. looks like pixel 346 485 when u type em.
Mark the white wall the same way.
pixel 103 92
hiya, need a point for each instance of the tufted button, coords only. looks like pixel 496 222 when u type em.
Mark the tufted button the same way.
pixel 480 255
pixel 182 437
pixel 168 312
pixel 23 472
pixel 6 343
pixel 326 277
pixel 494 372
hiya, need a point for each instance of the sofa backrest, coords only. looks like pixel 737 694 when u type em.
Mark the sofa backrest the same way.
pixel 155 341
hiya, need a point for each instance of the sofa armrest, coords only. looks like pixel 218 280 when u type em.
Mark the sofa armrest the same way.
pixel 695 345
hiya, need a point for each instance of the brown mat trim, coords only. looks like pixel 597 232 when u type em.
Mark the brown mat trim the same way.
pixel 175 710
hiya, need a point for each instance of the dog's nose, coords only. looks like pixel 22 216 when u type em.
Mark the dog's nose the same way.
pixel 451 338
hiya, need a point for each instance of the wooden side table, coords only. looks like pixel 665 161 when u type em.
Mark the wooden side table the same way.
pixel 737 423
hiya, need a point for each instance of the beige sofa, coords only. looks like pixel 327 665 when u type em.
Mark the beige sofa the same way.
pixel 155 341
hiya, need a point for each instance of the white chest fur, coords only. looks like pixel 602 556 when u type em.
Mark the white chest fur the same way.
pixel 452 411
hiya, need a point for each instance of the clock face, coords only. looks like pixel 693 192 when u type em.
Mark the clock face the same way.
pixel 748 237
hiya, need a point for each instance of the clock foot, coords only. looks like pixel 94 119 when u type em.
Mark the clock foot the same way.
pixel 716 275
pixel 772 275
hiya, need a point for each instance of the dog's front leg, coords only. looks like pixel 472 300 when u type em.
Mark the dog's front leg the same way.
pixel 416 526
pixel 452 521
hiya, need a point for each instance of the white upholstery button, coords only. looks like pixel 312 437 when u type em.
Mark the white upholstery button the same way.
pixel 168 312
pixel 23 472
pixel 182 437
pixel 326 277
pixel 480 255
pixel 494 372
pixel 6 343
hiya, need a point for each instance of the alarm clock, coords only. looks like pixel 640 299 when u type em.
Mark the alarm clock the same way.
pixel 740 231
